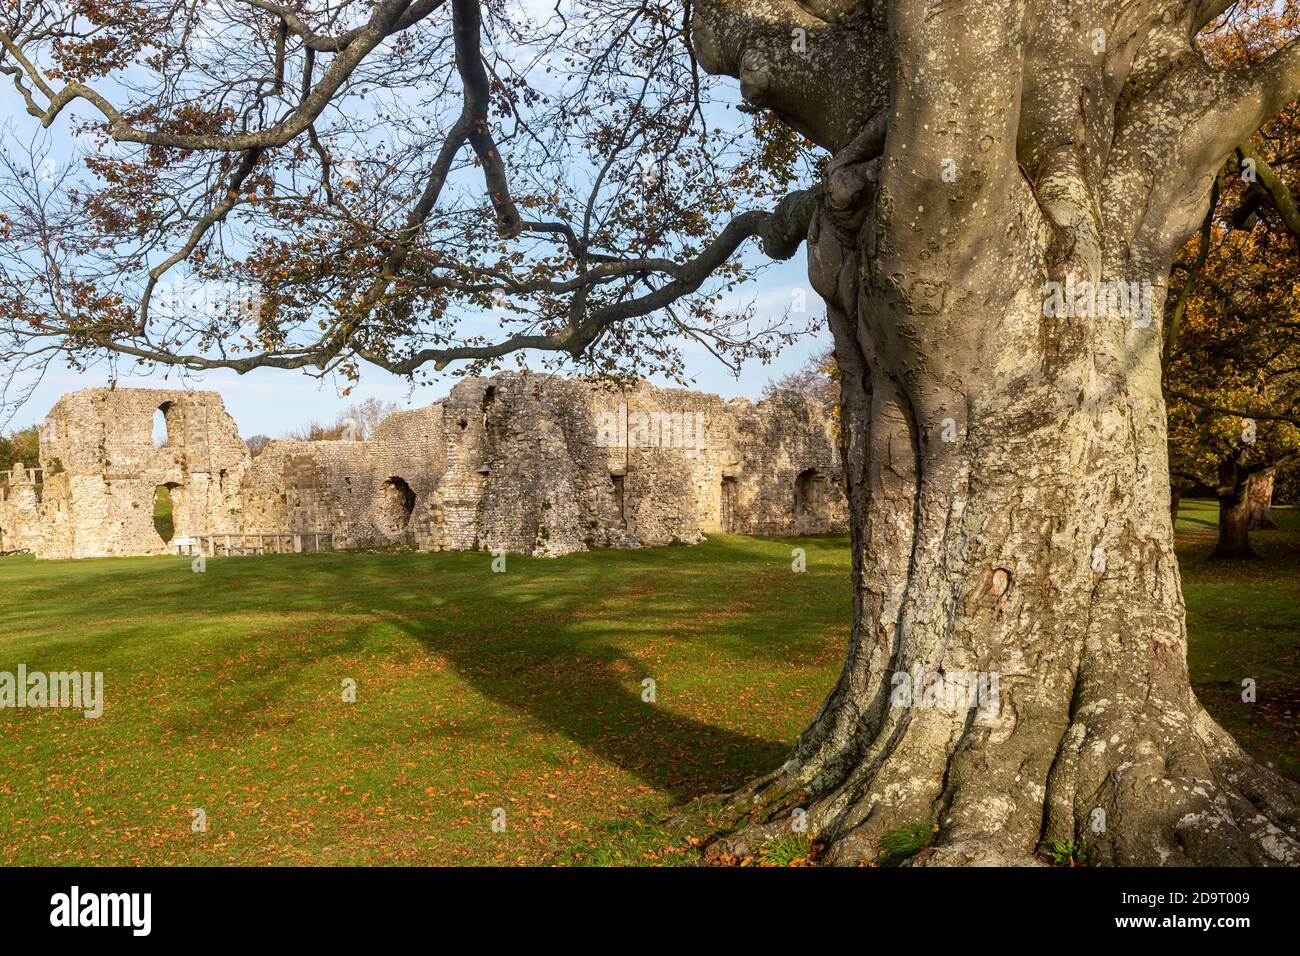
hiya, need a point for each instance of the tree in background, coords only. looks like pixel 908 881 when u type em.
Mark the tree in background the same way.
pixel 378 172
pixel 22 446
pixel 1232 342
pixel 1235 460
pixel 355 423
pixel 1286 486
pixel 364 416
pixel 315 431
pixel 257 444
pixel 818 379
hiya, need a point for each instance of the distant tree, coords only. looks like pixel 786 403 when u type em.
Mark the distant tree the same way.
pixel 427 186
pixel 818 378
pixel 364 416
pixel 315 431
pixel 20 446
pixel 354 423
pixel 257 444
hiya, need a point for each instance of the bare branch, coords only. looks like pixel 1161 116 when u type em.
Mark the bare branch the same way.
pixel 383 22
pixel 780 231
pixel 418 11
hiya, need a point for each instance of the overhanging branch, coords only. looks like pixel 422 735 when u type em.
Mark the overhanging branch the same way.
pixel 780 231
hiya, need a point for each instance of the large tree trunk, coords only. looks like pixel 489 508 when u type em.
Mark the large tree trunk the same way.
pixel 1006 463
pixel 1259 496
pixel 1036 548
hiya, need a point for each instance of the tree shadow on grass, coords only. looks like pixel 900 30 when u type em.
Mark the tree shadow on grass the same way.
pixel 552 652
pixel 593 697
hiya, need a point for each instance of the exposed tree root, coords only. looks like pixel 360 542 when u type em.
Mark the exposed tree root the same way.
pixel 1202 802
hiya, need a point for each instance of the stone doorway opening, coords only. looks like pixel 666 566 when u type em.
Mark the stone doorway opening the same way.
pixel 164 511
pixel 618 491
pixel 809 496
pixel 727 518
pixel 395 506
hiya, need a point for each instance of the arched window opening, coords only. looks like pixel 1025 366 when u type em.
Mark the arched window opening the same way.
pixel 160 433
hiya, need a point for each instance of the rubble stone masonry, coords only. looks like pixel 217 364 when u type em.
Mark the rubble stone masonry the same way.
pixel 525 463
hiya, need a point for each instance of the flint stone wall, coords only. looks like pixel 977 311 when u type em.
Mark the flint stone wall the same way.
pixel 527 464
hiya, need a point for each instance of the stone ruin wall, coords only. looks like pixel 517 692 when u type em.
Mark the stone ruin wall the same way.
pixel 100 471
pixel 524 463
pixel 339 487
pixel 20 500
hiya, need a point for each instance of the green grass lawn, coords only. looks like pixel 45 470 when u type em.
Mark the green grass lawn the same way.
pixel 474 691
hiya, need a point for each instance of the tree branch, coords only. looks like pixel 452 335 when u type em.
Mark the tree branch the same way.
pixel 1259 414
pixel 418 11
pixel 382 24
pixel 1270 184
pixel 780 231
pixel 1245 98
pixel 1198 483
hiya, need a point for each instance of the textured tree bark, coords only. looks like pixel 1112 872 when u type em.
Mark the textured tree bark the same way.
pixel 1005 452
pixel 1259 494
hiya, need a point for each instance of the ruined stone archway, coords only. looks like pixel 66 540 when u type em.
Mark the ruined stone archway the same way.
pixel 392 512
